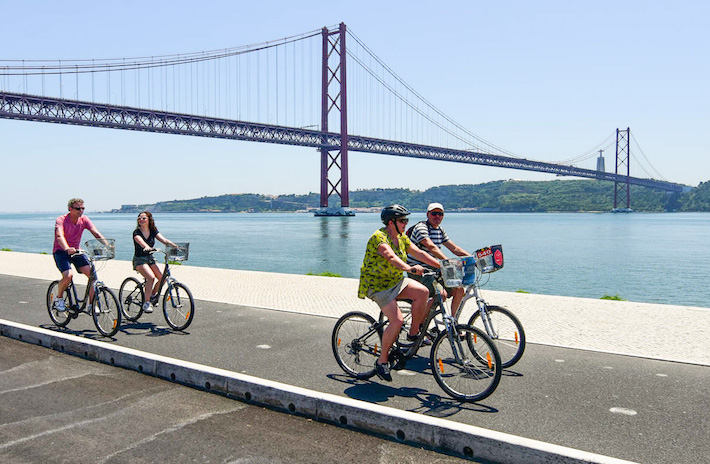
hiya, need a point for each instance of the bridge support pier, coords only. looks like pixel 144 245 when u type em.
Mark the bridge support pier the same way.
pixel 334 159
pixel 622 191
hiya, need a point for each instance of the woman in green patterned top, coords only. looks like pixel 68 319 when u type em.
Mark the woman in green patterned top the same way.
pixel 382 279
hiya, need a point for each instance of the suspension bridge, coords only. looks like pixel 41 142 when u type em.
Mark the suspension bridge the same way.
pixel 307 90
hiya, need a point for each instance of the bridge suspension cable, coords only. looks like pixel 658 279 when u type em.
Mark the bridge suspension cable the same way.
pixel 427 111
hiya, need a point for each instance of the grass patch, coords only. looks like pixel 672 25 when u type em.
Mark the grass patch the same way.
pixel 610 297
pixel 5 249
pixel 324 274
pixel 520 290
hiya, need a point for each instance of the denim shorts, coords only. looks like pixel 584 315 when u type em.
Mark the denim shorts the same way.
pixel 139 260
pixel 64 261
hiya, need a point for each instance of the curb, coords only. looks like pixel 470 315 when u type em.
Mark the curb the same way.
pixel 442 435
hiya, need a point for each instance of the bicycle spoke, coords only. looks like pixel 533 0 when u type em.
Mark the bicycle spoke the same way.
pixel 356 344
pixel 468 369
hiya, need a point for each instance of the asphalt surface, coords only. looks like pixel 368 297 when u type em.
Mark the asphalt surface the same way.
pixel 59 408
pixel 630 408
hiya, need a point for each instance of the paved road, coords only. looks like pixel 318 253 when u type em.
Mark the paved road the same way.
pixel 637 409
pixel 59 408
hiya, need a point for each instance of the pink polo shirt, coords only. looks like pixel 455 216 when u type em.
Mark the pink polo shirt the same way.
pixel 72 232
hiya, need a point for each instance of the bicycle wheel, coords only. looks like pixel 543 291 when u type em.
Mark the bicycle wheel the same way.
pixel 357 342
pixel 506 331
pixel 60 318
pixel 468 369
pixel 106 312
pixel 178 306
pixel 131 296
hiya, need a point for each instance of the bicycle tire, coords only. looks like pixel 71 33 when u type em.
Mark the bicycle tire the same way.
pixel 508 334
pixel 356 346
pixel 131 296
pixel 60 318
pixel 477 372
pixel 178 306
pixel 106 312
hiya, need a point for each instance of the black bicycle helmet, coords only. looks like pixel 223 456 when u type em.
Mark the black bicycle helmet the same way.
pixel 391 212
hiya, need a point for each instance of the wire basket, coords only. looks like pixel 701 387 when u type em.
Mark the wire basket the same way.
pixel 179 253
pixel 100 251
pixel 452 272
pixel 489 259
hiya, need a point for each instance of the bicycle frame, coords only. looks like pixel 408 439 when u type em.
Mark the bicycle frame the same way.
pixel 448 320
pixel 79 304
pixel 472 291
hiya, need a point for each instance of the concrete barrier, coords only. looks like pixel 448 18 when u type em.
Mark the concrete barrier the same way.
pixel 439 434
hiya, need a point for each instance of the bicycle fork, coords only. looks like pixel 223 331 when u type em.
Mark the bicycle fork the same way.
pixel 486 318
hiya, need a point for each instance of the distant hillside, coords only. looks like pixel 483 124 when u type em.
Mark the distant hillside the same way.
pixel 501 196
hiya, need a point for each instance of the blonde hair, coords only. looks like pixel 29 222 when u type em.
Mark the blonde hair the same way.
pixel 74 200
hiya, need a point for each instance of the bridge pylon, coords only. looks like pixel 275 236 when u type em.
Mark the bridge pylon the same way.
pixel 622 193
pixel 334 98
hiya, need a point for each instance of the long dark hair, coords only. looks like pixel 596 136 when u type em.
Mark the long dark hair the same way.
pixel 151 223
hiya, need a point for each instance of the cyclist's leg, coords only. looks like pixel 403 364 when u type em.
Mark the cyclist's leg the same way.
pixel 61 259
pixel 158 276
pixel 392 312
pixel 457 293
pixel 147 273
pixel 419 295
pixel 86 270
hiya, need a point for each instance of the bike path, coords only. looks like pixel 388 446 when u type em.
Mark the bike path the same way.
pixel 631 408
pixel 623 327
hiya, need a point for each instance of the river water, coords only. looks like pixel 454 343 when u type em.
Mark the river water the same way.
pixel 646 257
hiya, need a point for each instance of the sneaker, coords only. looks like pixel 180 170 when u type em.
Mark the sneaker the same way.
pixel 383 371
pixel 147 308
pixel 59 304
pixel 154 299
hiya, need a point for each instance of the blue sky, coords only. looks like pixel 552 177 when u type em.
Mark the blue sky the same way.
pixel 546 80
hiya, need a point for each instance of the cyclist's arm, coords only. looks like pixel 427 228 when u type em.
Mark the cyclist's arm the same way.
pixel 388 253
pixel 423 256
pixel 165 240
pixel 433 249
pixel 59 235
pixel 142 243
pixel 95 232
pixel 455 249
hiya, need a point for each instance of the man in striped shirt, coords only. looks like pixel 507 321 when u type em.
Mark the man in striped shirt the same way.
pixel 429 236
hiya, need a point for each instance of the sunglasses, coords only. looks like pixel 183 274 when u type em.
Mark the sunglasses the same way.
pixel 436 213
pixel 78 208
pixel 403 220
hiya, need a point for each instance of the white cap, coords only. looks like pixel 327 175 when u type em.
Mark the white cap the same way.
pixel 433 206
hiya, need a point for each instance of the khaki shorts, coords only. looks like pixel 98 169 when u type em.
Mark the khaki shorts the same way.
pixel 428 282
pixel 385 297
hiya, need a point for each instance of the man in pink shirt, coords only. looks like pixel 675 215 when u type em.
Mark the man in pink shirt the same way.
pixel 67 238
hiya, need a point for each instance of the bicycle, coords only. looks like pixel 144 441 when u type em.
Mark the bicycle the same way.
pixel 178 303
pixel 499 323
pixel 104 306
pixel 463 359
